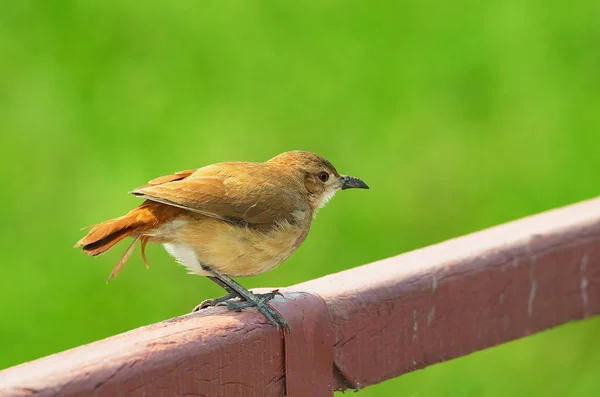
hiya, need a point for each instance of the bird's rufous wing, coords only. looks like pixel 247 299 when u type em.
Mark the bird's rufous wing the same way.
pixel 224 197
pixel 169 178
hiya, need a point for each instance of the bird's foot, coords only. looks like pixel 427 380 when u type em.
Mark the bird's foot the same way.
pixel 213 302
pixel 260 301
pixel 242 304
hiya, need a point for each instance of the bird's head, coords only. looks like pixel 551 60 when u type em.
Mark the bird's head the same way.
pixel 318 175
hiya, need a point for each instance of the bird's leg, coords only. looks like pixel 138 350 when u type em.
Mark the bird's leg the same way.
pixel 260 301
pixel 237 306
pixel 215 301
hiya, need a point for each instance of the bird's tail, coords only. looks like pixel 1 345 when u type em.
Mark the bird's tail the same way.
pixel 105 235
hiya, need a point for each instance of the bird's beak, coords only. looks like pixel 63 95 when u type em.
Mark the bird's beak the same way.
pixel 349 182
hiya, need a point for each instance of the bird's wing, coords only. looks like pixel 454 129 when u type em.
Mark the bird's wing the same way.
pixel 169 178
pixel 225 196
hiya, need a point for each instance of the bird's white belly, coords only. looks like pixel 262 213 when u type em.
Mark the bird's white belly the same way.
pixel 186 256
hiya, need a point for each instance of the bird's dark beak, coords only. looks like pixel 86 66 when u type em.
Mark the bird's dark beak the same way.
pixel 349 182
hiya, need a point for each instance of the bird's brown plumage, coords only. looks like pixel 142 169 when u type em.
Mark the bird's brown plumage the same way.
pixel 239 218
pixel 237 192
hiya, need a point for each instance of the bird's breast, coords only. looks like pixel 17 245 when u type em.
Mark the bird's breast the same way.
pixel 233 249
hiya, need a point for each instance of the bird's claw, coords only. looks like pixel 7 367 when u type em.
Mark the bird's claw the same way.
pixel 261 303
pixel 213 302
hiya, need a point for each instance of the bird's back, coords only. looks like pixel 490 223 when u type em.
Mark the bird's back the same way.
pixel 244 218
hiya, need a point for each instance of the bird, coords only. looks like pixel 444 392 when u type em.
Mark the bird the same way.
pixel 229 219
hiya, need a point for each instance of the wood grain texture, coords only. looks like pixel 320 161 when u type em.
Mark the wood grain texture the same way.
pixel 374 322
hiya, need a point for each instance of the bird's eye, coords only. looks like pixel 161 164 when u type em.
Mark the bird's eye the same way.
pixel 323 176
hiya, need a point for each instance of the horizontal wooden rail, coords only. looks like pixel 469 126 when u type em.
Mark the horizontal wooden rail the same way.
pixel 354 328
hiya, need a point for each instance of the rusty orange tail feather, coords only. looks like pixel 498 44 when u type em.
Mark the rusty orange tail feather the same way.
pixel 123 259
pixel 144 240
pixel 105 235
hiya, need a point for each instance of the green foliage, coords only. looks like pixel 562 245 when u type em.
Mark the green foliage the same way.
pixel 459 115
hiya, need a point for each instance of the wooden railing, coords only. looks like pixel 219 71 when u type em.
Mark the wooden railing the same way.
pixel 355 328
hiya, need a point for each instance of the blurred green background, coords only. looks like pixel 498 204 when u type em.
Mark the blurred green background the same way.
pixel 460 115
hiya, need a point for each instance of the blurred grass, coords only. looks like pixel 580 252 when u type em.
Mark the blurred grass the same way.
pixel 460 116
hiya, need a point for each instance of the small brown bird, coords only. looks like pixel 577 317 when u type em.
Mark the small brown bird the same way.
pixel 229 219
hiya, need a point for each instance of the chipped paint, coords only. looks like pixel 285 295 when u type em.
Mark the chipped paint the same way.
pixel 532 286
pixel 430 314
pixel 584 284
pixel 415 325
